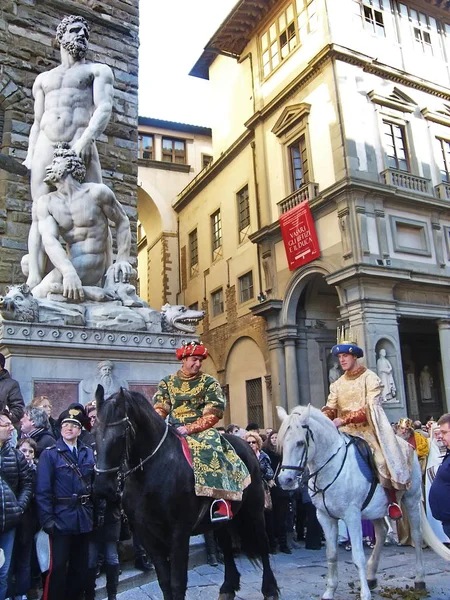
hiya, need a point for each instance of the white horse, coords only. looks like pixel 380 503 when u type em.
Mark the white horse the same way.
pixel 339 490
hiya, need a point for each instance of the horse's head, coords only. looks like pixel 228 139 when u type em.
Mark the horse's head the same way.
pixel 112 430
pixel 296 439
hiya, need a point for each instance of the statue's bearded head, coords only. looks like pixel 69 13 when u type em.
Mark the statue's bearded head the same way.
pixel 73 35
pixel 65 161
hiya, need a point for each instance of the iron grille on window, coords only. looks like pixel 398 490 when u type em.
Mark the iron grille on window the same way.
pixel 246 287
pixel 255 412
pixel 217 302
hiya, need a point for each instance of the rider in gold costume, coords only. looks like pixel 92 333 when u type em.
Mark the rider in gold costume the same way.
pixel 355 407
pixel 195 402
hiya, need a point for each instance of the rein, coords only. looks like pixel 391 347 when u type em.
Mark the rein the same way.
pixel 124 474
pixel 301 467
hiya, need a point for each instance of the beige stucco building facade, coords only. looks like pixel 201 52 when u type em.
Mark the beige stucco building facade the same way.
pixel 346 105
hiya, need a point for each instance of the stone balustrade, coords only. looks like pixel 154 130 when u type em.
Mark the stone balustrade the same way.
pixel 407 181
pixel 306 192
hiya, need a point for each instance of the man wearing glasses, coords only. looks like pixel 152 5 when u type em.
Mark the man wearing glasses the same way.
pixel 16 488
pixel 63 495
pixel 439 497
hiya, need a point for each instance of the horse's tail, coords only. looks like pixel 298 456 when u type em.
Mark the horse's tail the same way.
pixel 431 538
pixel 251 540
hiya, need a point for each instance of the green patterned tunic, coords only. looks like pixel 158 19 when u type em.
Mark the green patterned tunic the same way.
pixel 198 403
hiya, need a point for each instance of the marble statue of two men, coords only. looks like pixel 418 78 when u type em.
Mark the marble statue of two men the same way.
pixel 73 104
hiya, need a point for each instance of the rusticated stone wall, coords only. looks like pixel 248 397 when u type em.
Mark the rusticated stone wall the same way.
pixel 28 47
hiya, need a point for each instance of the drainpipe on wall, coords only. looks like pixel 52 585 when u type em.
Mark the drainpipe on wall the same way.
pixel 258 214
pixel 250 58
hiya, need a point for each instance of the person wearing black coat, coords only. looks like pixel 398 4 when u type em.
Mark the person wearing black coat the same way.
pixel 277 519
pixel 10 394
pixel 439 496
pixel 35 425
pixel 16 489
pixel 104 539
pixel 64 480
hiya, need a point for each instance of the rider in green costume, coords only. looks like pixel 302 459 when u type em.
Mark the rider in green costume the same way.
pixel 195 402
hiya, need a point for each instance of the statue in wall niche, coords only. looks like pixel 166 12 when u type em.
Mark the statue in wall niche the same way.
pixel 426 384
pixel 334 373
pixel 78 212
pixel 104 377
pixel 73 104
pixel 385 373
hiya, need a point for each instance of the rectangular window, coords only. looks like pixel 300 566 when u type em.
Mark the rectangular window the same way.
pixel 286 32
pixel 193 252
pixel 299 163
pixel 444 160
pixel 146 146
pixel 246 287
pixel 206 160
pixel 373 16
pixel 173 151
pixel 217 302
pixel 193 306
pixel 243 207
pixel 395 146
pixel 255 412
pixel 216 234
pixel 422 25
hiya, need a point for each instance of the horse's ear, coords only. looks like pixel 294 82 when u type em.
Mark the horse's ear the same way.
pixel 99 396
pixel 282 414
pixel 121 398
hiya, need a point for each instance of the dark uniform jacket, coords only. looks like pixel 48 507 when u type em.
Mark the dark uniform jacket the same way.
pixel 11 396
pixel 62 496
pixel 16 486
pixel 439 497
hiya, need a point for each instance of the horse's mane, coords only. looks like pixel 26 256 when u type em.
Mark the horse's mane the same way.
pixel 298 418
pixel 139 409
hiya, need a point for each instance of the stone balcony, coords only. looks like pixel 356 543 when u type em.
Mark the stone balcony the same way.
pixel 442 191
pixel 306 192
pixel 406 181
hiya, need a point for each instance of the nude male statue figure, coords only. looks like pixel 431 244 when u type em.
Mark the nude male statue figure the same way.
pixel 79 213
pixel 73 104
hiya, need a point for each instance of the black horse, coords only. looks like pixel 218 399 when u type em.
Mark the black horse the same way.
pixel 136 447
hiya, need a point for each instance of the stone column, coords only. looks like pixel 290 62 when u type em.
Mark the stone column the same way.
pixel 292 385
pixel 444 340
pixel 277 370
pixel 303 371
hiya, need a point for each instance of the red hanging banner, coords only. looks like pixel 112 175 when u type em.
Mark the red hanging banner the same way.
pixel 299 236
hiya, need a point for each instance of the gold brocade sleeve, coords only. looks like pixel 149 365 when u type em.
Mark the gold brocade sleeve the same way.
pixel 331 413
pixel 421 445
pixel 205 422
pixel 355 416
pixel 161 399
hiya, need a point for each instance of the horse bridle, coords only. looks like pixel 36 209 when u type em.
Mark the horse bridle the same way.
pixel 302 466
pixel 122 475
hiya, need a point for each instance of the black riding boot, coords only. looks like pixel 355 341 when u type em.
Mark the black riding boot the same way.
pixel 89 589
pixel 112 580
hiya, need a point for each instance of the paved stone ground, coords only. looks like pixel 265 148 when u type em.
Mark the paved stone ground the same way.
pixel 301 576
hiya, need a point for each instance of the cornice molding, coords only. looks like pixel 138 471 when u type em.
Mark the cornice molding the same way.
pixel 290 116
pixel 437 117
pixel 396 100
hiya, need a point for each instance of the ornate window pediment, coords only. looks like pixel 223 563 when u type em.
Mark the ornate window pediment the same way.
pixel 397 100
pixel 291 116
pixel 440 116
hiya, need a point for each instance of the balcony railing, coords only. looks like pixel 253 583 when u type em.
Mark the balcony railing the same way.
pixel 306 192
pixel 406 181
pixel 443 191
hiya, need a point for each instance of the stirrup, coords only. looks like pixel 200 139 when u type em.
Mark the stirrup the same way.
pixel 212 510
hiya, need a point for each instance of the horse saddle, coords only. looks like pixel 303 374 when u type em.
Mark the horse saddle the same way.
pixel 364 457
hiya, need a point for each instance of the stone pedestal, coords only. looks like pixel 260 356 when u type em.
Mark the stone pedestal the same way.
pixel 53 361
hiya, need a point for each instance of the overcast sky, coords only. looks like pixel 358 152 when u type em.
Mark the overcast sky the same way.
pixel 173 34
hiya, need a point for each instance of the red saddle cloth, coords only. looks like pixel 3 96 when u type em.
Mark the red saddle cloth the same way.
pixel 186 451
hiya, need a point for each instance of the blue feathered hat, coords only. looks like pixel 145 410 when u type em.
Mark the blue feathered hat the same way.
pixel 345 346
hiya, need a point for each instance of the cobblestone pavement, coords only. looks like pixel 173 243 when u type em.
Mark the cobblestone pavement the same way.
pixel 301 576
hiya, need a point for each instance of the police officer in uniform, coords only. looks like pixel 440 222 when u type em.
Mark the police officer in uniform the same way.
pixel 64 500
